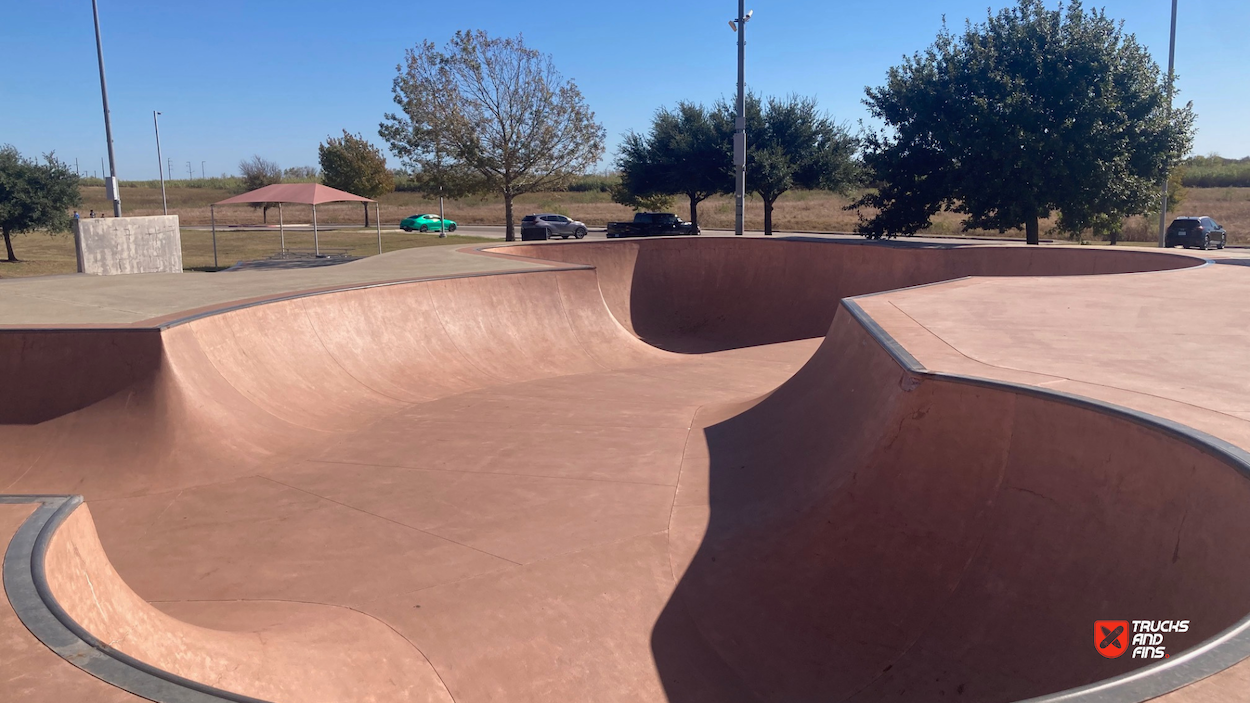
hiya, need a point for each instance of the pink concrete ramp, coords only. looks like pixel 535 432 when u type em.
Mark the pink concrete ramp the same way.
pixel 702 295
pixel 510 487
pixel 272 650
pixel 865 533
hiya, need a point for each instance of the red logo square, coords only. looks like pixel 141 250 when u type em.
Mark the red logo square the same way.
pixel 1111 637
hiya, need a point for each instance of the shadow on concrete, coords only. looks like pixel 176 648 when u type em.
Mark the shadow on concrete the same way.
pixel 862 535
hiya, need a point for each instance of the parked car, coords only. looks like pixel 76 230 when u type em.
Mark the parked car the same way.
pixel 547 225
pixel 426 223
pixel 651 224
pixel 1199 232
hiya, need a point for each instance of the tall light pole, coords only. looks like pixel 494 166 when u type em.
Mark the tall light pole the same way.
pixel 110 182
pixel 160 168
pixel 740 121
pixel 1163 206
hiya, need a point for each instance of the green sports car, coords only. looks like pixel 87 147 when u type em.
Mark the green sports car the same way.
pixel 426 223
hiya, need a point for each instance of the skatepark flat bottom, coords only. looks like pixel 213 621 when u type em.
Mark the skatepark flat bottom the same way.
pixel 668 470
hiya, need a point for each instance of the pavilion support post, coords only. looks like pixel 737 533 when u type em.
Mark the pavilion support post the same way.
pixel 281 231
pixel 377 220
pixel 316 237
pixel 212 216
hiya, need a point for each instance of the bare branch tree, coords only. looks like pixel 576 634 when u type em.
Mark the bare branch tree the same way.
pixel 258 172
pixel 490 115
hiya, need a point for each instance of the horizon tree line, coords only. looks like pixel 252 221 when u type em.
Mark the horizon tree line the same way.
pixel 1031 112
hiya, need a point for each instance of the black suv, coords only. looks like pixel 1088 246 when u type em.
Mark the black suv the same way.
pixel 1200 232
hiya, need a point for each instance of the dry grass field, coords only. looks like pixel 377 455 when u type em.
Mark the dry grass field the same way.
pixel 796 211
pixel 799 211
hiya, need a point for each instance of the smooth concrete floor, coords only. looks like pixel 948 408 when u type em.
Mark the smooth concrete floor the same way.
pixel 529 540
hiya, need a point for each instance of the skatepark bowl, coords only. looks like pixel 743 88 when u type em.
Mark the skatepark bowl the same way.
pixel 709 469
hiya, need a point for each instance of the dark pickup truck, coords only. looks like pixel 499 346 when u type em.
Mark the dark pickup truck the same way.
pixel 651 224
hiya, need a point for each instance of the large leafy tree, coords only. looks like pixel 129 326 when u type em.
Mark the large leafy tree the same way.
pixel 641 186
pixel 490 115
pixel 791 144
pixel 683 154
pixel 1032 111
pixel 34 196
pixel 258 172
pixel 356 166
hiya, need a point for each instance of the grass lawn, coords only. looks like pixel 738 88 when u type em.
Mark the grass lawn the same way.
pixel 44 255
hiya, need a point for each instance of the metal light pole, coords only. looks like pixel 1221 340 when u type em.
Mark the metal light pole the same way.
pixel 1163 206
pixel 160 168
pixel 740 121
pixel 442 223
pixel 111 182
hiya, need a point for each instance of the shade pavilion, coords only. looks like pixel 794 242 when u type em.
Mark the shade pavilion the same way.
pixel 313 194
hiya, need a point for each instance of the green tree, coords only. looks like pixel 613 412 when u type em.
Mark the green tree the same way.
pixel 257 173
pixel 642 181
pixel 791 144
pixel 34 196
pixel 354 165
pixel 682 154
pixel 1177 191
pixel 649 202
pixel 490 115
pixel 1034 110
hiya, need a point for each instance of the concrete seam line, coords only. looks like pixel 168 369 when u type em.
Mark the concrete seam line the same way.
pixel 1207 658
pixel 32 600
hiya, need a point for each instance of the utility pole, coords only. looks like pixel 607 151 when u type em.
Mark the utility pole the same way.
pixel 1163 206
pixel 169 166
pixel 159 169
pixel 740 121
pixel 110 183
pixel 190 171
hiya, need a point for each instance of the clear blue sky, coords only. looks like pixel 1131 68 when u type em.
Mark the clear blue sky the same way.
pixel 274 78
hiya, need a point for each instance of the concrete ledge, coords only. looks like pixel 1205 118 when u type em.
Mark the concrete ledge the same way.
pixel 109 246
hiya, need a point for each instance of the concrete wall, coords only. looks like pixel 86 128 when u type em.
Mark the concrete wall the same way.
pixel 112 245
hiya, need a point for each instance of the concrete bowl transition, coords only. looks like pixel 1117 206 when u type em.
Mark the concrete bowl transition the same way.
pixel 688 470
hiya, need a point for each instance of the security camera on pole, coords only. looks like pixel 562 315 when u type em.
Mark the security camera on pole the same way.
pixel 740 122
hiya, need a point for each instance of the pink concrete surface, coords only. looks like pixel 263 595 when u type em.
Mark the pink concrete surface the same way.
pixel 28 669
pixel 272 650
pixel 491 488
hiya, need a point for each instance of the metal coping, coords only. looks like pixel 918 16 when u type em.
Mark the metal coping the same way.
pixel 1190 666
pixel 25 582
